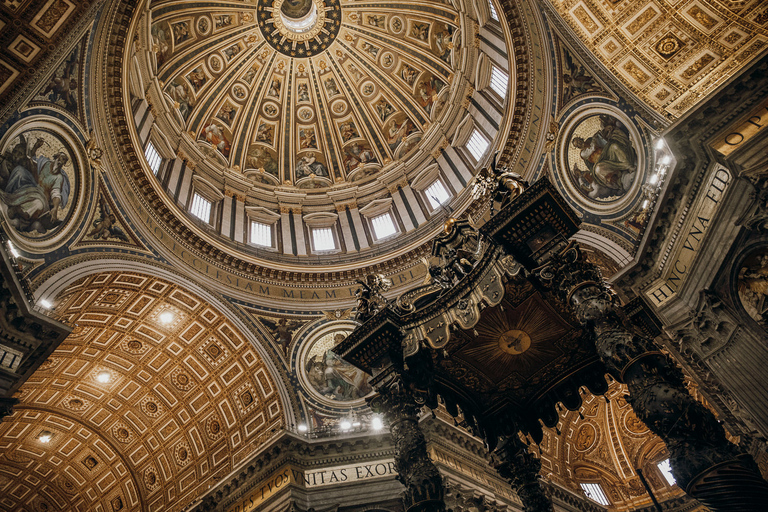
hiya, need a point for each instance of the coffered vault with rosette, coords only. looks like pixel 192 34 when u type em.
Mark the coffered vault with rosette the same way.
pixel 308 129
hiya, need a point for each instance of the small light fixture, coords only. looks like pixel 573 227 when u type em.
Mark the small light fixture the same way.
pixel 356 424
pixel 645 204
pixel 166 317
pixel 376 423
pixel 665 160
pixel 654 179
pixel 303 427
pixel 44 436
pixel 345 425
pixel 45 304
pixel 660 143
pixel 103 376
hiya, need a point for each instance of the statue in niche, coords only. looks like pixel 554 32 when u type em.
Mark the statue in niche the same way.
pixel 753 285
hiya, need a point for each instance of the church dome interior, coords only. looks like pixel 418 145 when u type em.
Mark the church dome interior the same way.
pixel 357 255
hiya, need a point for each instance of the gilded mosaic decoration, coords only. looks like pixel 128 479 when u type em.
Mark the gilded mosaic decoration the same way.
pixel 602 158
pixel 37 181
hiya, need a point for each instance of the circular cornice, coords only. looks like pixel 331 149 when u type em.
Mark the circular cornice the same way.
pixel 135 185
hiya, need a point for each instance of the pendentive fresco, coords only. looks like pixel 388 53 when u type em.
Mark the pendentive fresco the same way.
pixel 753 285
pixel 37 182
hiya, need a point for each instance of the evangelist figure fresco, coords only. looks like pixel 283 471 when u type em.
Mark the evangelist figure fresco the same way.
pixel 753 285
pixel 36 171
pixel 602 158
pixel 331 376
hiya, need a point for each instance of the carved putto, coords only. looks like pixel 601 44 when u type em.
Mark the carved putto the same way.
pixel 503 184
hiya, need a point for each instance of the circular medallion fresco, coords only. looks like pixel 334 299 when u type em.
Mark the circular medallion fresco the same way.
pixel 601 157
pixel 38 181
pixel 753 285
pixel 299 28
pixel 328 376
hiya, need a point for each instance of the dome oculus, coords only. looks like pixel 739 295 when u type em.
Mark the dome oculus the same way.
pixel 299 28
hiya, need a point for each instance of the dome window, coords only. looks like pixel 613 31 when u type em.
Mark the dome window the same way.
pixel 477 145
pixel 437 194
pixel 383 226
pixel 323 240
pixel 499 81
pixel 666 470
pixel 153 158
pixel 492 8
pixel 201 208
pixel 595 492
pixel 261 234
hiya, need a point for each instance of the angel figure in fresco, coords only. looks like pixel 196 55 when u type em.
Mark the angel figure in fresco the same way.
pixel 384 109
pixel 444 43
pixel 357 154
pixel 34 187
pixel 330 87
pixel 307 138
pixel 260 158
pixel 308 165
pixel 426 92
pixel 63 84
pixel 180 32
pixel 348 131
pixel 303 92
pixel 409 74
pixel 179 91
pixel 227 113
pixel 215 136
pixel 105 226
pixel 161 43
pixel 265 133
pixel 197 78
pixel 420 31
pixel 282 330
pixel 274 88
pixel 753 287
pixel 610 159
pixel 398 132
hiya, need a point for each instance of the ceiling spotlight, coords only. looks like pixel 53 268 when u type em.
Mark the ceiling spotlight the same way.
pixel 356 424
pixel 45 304
pixel 376 423
pixel 44 436
pixel 654 179
pixel 345 425
pixel 660 144
pixel 166 317
pixel 303 428
pixel 103 377
pixel 665 160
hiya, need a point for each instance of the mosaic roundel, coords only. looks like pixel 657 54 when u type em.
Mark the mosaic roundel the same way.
pixel 326 374
pixel 601 157
pixel 38 180
pixel 299 28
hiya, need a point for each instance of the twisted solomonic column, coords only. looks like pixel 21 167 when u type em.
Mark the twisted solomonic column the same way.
pixel 513 462
pixel 424 490
pixel 705 464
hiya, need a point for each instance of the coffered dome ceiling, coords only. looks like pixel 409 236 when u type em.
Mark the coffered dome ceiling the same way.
pixel 307 93
pixel 312 109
